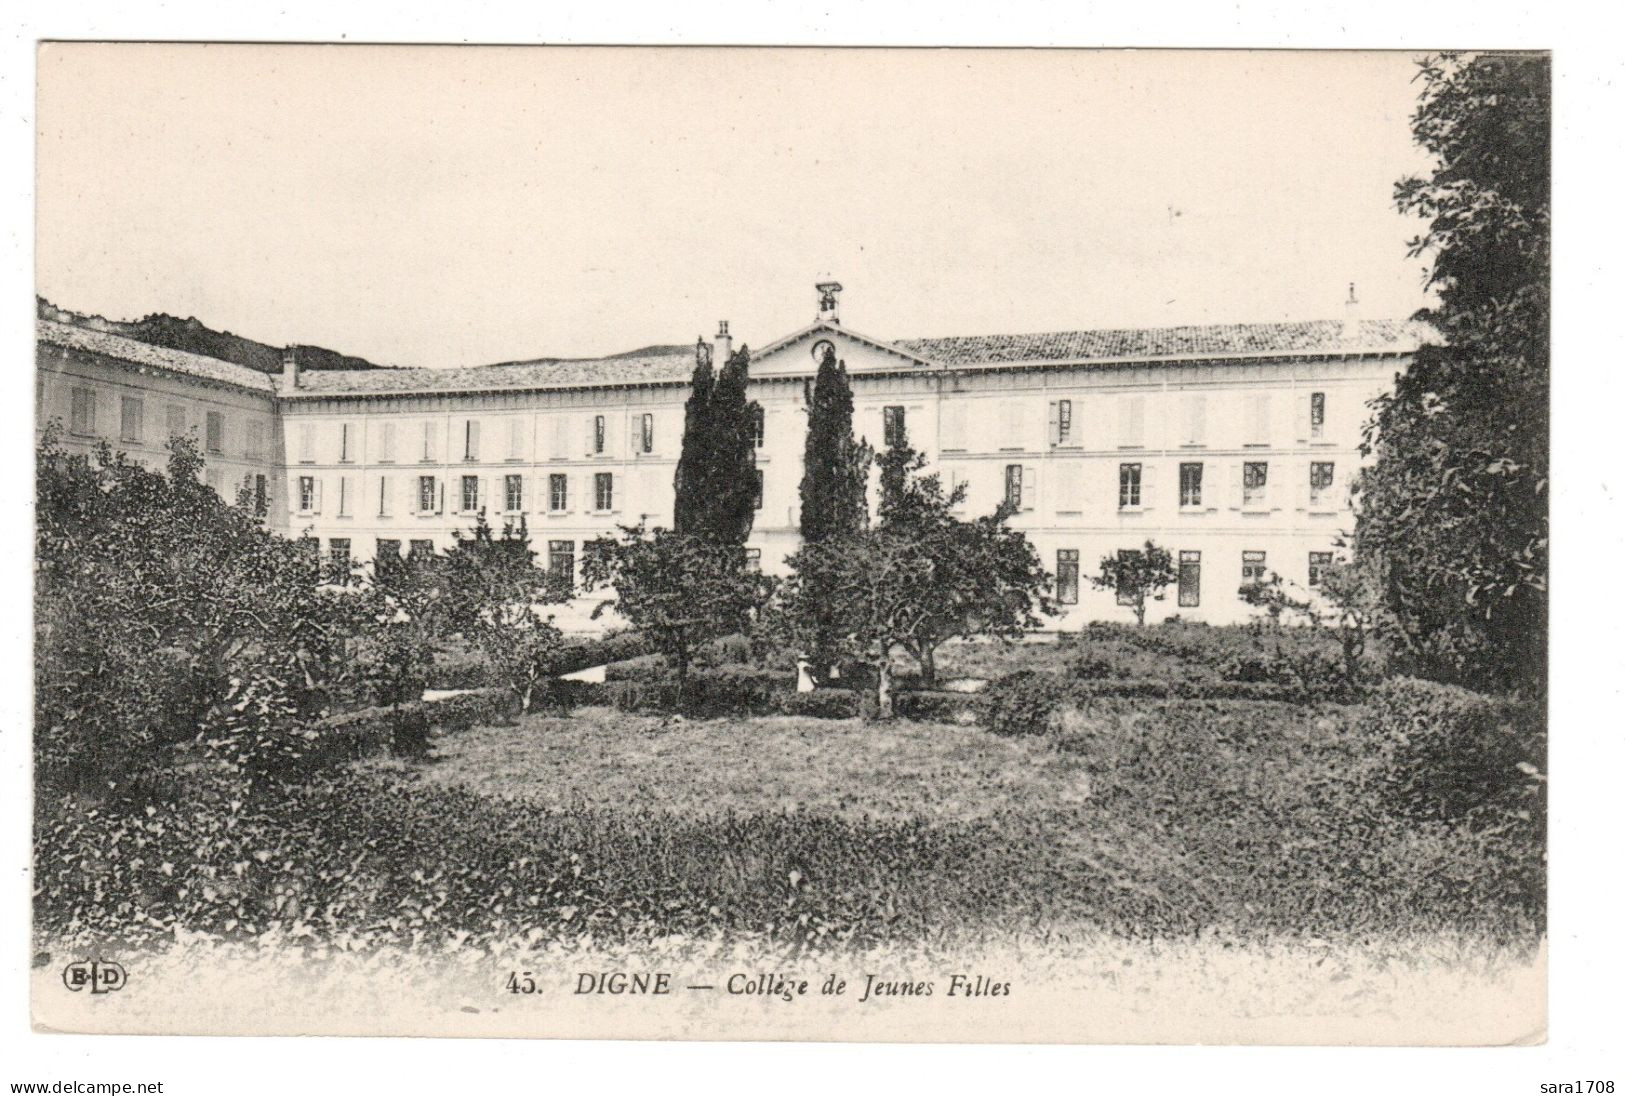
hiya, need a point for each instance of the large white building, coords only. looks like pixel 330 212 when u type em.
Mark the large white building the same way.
pixel 1232 445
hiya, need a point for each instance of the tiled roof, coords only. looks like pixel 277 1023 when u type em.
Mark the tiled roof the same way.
pixel 109 345
pixel 595 372
pixel 1212 340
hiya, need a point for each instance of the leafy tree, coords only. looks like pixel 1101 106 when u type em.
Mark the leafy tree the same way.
pixel 493 594
pixel 678 590
pixel 1137 575
pixel 1347 602
pixel 918 578
pixel 1455 503
pixel 988 579
pixel 716 472
pixel 164 615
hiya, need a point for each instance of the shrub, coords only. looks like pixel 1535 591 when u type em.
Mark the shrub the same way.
pixel 936 705
pixel 460 669
pixel 821 704
pixel 1023 703
pixel 1453 753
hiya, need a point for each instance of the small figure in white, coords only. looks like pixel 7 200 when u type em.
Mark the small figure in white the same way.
pixel 804 679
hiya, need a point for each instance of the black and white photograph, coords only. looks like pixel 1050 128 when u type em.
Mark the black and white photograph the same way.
pixel 818 544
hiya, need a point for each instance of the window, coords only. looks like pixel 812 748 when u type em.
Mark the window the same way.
pixel 216 479
pixel 1128 486
pixel 1317 414
pixel 1131 422
pixel 307 494
pixel 1012 486
pixel 646 434
pixel 255 447
pixel 516 438
pixel 129 419
pixel 1190 579
pixel 471 494
pixel 1190 483
pixel 346 489
pixel 756 474
pixel 338 560
pixel 1195 420
pixel 346 443
pixel 214 432
pixel 1125 587
pixel 426 495
pixel 1258 419
pixel 383 496
pixel 599 433
pixel 1319 563
pixel 83 420
pixel 1063 421
pixel 1254 480
pixel 386 444
pixel 175 420
pixel 561 561
pixel 603 487
pixel 753 561
pixel 262 496
pixel 558 492
pixel 892 427
pixel 1066 576
pixel 307 443
pixel 471 439
pixel 420 549
pixel 513 493
pixel 759 420
pixel 387 557
pixel 1252 568
pixel 1320 482
pixel 428 442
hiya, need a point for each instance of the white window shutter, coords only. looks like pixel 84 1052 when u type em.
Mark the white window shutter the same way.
pixel 1301 474
pixel 1054 423
pixel 589 434
pixel 953 424
pixel 1266 425
pixel 1346 476
pixel 440 496
pixel 408 494
pixel 1029 489
pixel 429 447
pixel 1303 416
pixel 316 496
pixel 1235 485
pixel 516 437
pixel 352 500
pixel 1148 485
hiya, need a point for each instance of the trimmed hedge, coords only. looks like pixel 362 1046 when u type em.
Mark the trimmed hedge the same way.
pixel 402 729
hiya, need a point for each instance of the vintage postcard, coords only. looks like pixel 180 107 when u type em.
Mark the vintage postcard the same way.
pixel 797 544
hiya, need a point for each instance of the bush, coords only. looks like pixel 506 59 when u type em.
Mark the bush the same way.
pixel 935 705
pixel 1453 753
pixel 1023 703
pixel 821 704
pixel 460 669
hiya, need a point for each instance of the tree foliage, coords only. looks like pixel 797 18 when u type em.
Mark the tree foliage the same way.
pixel 491 592
pixel 1454 506
pixel 835 467
pixel 918 578
pixel 678 590
pixel 164 614
pixel 715 487
pixel 1138 575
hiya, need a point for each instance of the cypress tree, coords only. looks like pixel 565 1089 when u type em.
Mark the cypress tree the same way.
pixel 693 466
pixel 731 498
pixel 835 472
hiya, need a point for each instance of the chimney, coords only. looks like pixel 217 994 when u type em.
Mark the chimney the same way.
pixel 1351 318
pixel 725 342
pixel 290 367
pixel 829 301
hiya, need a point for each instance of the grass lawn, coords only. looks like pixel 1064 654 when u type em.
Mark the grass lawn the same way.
pixel 598 757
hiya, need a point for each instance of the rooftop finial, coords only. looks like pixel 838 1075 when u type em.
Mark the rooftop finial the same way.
pixel 829 301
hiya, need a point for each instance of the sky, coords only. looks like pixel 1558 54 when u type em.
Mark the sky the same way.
pixel 447 206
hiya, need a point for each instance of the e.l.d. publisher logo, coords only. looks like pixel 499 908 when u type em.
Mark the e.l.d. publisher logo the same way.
pixel 96 975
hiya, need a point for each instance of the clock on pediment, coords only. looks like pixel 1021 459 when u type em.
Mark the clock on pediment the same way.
pixel 819 347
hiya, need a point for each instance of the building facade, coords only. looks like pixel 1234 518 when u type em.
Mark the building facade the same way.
pixel 1232 446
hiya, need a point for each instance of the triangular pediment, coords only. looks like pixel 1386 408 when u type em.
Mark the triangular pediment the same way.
pixel 799 352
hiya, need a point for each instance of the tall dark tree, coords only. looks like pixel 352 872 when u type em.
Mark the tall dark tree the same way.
pixel 1454 508
pixel 716 473
pixel 732 493
pixel 689 508
pixel 835 469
